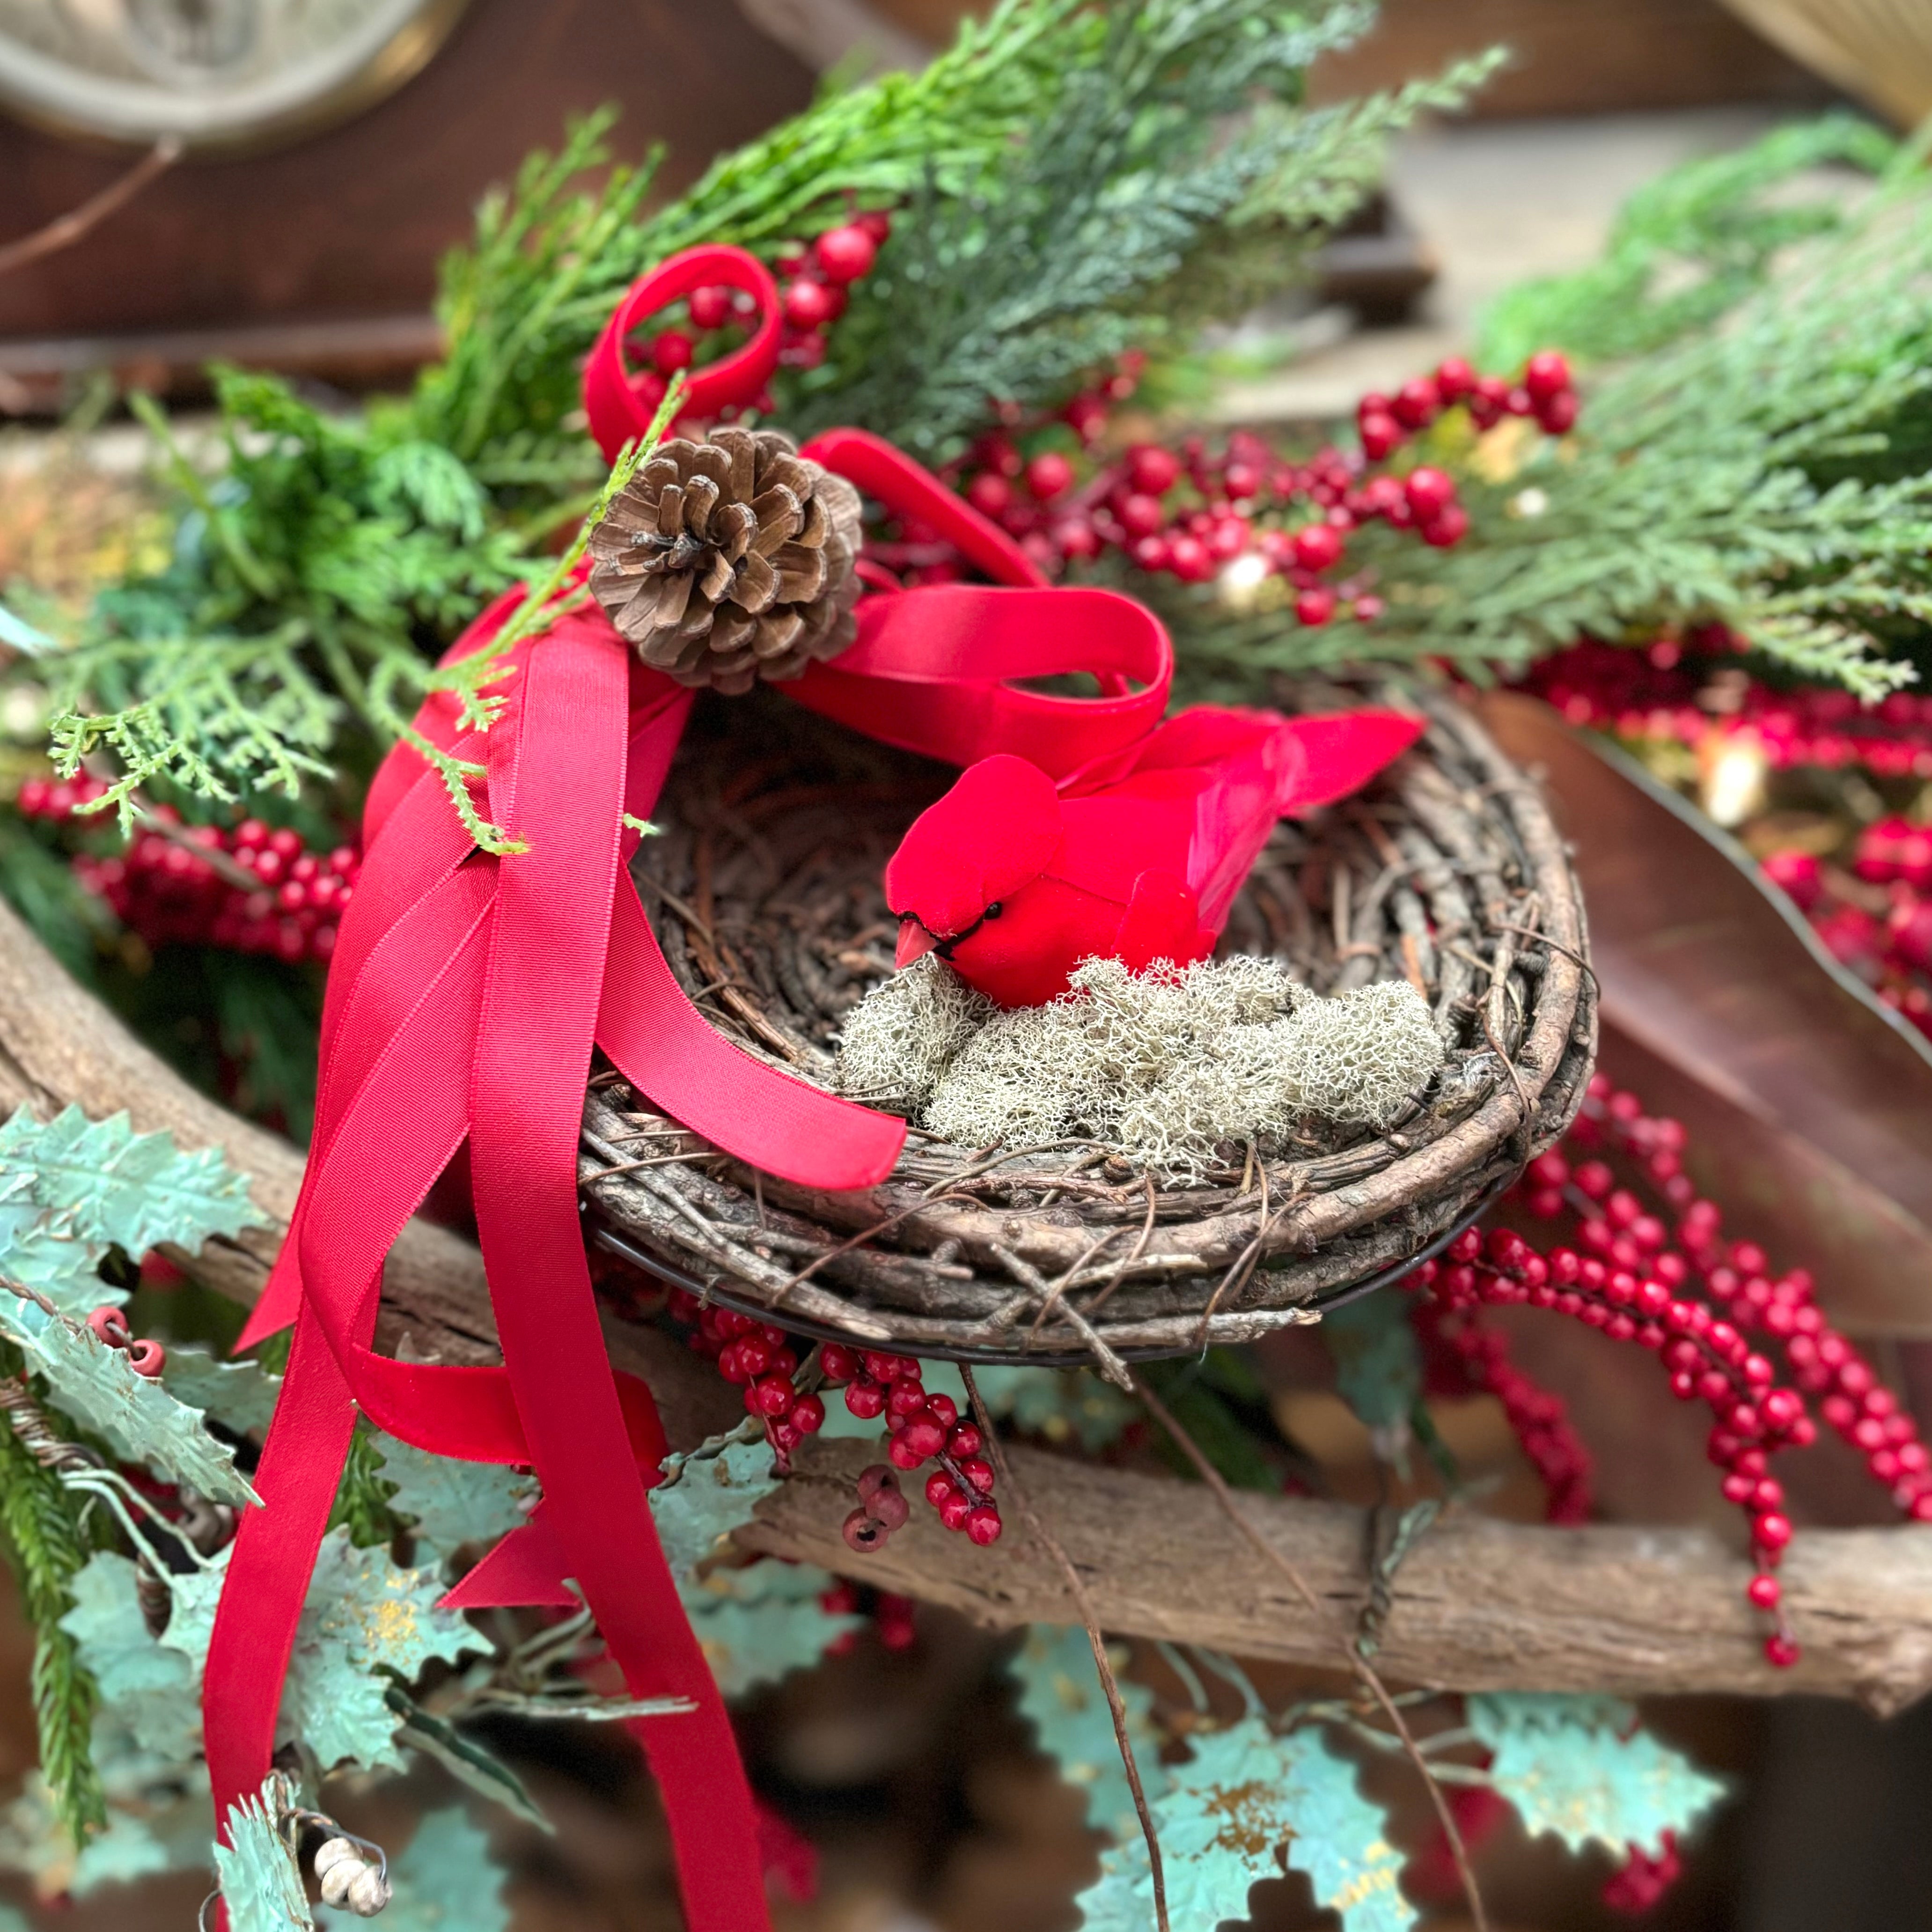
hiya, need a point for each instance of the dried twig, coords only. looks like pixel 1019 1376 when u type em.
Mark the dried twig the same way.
pixel 1370 1678
pixel 1084 1604
pixel 63 231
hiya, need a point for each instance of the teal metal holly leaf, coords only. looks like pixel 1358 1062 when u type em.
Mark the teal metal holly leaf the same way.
pixel 261 1883
pixel 70 1187
pixel 1377 1365
pixel 150 1693
pixel 757 1624
pixel 451 1502
pixel 1062 1405
pixel 363 1617
pixel 240 1396
pixel 94 1384
pixel 711 1496
pixel 445 1881
pixel 1246 1796
pixel 1060 1693
pixel 1585 1769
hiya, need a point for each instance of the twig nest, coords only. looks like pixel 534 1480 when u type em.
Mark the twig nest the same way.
pixel 1167 1066
pixel 348 1879
pixel 730 559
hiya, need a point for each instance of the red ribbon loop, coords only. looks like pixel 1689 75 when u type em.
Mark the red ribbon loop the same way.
pixel 616 406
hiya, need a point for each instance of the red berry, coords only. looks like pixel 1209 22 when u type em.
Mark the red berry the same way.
pixel 956 1508
pixel 807 1414
pixel 671 350
pixel 989 493
pixel 939 1486
pixel 1152 471
pixel 1075 537
pixel 845 254
pixel 876 1476
pixel 980 1474
pixel 864 1532
pixel 1379 434
pixel 945 1410
pixel 808 304
pixel 1765 1592
pixel 889 1506
pixel 1430 491
pixel 1546 373
pixel 1366 610
pixel 922 1436
pixel 1190 559
pixel 1048 475
pixel 866 1400
pixel 1780 1652
pixel 983 1524
pixel 710 308
pixel 776 1395
pixel 1558 414
pixel 964 1443
pixel 906 1398
pixel 877 222
pixel 1447 531
pixel 1316 606
pixel 1771 1530
pixel 903 1457
pixel 1454 379
pixel 1141 514
pixel 837 1362
pixel 1317 546
pixel 1416 402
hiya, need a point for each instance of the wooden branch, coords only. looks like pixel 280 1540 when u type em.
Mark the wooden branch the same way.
pixel 1479 1605
pixel 64 230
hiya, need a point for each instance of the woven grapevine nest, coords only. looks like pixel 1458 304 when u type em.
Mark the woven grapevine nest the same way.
pixel 764 890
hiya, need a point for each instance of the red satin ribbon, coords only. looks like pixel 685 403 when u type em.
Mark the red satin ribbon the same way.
pixel 464 999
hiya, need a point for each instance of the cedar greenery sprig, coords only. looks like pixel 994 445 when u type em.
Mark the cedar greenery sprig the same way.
pixel 48 1546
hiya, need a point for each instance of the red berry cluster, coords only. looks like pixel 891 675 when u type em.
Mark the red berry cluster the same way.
pixel 814 276
pixel 164 889
pixel 1639 1883
pixel 924 1427
pixel 1465 1355
pixel 1245 511
pixel 892 1616
pixel 1544 391
pixel 1690 690
pixel 760 1359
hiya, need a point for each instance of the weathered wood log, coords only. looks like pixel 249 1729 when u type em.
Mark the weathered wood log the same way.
pixel 1479 1604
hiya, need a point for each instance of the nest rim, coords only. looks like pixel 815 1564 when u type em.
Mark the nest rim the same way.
pixel 881 1267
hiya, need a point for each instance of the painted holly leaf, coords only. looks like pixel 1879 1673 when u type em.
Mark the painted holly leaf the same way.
pixel 363 1617
pixel 451 1502
pixel 1245 1794
pixel 94 1384
pixel 1377 1365
pixel 240 1396
pixel 757 1624
pixel 1584 1769
pixel 708 1500
pixel 1060 1693
pixel 445 1881
pixel 261 1883
pixel 150 1703
pixel 1060 1405
pixel 71 1186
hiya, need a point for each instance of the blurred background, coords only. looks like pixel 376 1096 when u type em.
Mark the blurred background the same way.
pixel 306 167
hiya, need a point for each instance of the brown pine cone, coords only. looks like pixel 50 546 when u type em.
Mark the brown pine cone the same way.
pixel 730 559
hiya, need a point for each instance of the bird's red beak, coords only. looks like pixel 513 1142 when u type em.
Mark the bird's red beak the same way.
pixel 915 942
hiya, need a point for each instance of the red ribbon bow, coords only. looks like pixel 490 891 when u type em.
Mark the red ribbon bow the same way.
pixel 464 999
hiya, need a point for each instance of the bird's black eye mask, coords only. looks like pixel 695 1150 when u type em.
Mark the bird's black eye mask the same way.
pixel 943 947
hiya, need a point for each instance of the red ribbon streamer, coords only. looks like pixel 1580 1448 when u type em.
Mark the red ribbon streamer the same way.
pixel 465 997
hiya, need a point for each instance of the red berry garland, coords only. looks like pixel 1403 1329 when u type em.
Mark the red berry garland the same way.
pixel 162 887
pixel 1244 512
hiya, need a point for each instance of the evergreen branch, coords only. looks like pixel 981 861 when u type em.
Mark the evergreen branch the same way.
pixel 48 1547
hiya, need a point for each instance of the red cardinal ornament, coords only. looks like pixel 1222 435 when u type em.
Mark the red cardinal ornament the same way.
pixel 1138 856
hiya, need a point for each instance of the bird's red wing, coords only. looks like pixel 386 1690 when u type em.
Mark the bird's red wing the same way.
pixel 1342 751
pixel 1162 921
